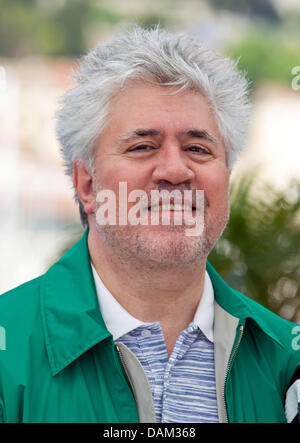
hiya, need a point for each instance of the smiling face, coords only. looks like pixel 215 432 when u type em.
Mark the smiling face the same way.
pixel 152 141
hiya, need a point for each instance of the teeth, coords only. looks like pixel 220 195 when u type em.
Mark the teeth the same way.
pixel 171 207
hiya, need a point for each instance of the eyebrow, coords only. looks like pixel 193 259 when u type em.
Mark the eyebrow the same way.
pixel 138 133
pixel 200 133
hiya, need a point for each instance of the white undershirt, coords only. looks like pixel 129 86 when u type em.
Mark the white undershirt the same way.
pixel 119 322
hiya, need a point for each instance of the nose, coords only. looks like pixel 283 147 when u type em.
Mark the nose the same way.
pixel 172 165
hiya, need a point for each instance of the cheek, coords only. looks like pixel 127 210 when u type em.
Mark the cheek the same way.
pixel 110 175
pixel 216 191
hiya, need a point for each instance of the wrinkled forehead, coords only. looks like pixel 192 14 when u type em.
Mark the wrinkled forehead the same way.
pixel 139 103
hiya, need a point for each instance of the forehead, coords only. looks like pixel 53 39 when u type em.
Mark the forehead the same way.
pixel 160 107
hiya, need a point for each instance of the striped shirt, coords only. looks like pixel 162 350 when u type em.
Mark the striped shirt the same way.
pixel 182 385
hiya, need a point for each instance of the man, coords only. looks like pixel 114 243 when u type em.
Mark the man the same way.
pixel 133 324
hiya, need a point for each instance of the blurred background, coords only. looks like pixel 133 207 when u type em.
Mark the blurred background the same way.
pixel 40 42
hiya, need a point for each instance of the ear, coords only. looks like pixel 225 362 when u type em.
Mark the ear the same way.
pixel 83 183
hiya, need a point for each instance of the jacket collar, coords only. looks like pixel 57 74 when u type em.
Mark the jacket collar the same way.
pixel 70 311
pixel 242 307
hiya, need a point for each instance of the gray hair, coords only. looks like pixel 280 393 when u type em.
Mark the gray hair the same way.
pixel 149 55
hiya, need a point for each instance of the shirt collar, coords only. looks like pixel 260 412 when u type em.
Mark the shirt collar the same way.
pixel 119 322
pixel 204 316
pixel 72 321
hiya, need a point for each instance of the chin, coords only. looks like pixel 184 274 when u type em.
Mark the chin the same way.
pixel 151 246
pixel 171 247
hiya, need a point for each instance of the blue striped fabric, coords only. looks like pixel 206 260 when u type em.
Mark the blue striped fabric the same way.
pixel 183 386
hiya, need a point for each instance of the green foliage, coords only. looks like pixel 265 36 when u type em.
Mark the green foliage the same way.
pixel 17 18
pixel 100 14
pixel 265 56
pixel 48 27
pixel 72 18
pixel 253 8
pixel 259 252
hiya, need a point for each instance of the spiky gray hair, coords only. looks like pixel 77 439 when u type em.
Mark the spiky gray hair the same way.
pixel 149 55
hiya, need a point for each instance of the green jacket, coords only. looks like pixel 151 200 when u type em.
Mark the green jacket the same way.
pixel 58 362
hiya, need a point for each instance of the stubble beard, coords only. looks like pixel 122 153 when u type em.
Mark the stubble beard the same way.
pixel 163 246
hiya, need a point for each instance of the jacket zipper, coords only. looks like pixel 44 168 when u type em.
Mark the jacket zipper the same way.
pixel 127 372
pixel 233 352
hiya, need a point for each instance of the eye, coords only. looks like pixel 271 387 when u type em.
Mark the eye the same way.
pixel 141 148
pixel 201 150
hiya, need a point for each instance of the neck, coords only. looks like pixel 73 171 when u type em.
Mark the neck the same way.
pixel 149 291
